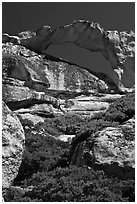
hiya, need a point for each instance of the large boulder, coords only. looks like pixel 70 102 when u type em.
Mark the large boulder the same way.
pixel 113 150
pixel 21 96
pixel 13 141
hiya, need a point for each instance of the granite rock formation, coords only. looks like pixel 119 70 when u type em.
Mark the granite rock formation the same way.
pixel 18 97
pixel 13 143
pixel 54 73
pixel 30 79
pixel 115 46
pixel 41 92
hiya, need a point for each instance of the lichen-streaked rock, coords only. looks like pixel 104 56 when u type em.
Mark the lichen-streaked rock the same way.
pixel 13 141
pixel 117 47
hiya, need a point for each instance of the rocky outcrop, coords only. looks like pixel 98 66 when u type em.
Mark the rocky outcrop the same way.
pixel 51 74
pixel 13 139
pixel 20 97
pixel 89 105
pixel 15 66
pixel 30 80
pixel 111 150
pixel 117 47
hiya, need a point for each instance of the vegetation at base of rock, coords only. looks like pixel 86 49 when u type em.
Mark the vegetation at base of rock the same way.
pixel 46 162
pixel 122 109
pixel 119 111
pixel 76 184
pixel 41 152
pixel 129 134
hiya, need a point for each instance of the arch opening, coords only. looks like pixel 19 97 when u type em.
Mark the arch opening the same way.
pixel 93 61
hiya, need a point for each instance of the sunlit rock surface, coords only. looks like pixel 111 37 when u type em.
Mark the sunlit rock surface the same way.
pixel 89 105
pixel 13 144
pixel 19 96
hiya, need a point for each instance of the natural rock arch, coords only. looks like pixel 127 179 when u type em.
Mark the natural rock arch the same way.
pixel 115 46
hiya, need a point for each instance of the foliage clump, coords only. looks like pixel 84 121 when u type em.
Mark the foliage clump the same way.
pixel 41 151
pixel 76 184
pixel 122 109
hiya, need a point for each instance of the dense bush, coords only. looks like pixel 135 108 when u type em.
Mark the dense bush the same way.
pixel 122 109
pixel 68 124
pixel 77 184
pixel 41 152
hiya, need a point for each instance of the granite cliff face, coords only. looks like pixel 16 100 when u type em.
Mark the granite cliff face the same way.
pixel 117 47
pixel 49 101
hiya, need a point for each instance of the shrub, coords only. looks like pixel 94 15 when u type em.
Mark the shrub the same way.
pixel 122 109
pixel 41 152
pixel 77 184
pixel 68 124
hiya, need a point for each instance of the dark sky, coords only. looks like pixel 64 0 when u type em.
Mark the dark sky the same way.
pixel 21 16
